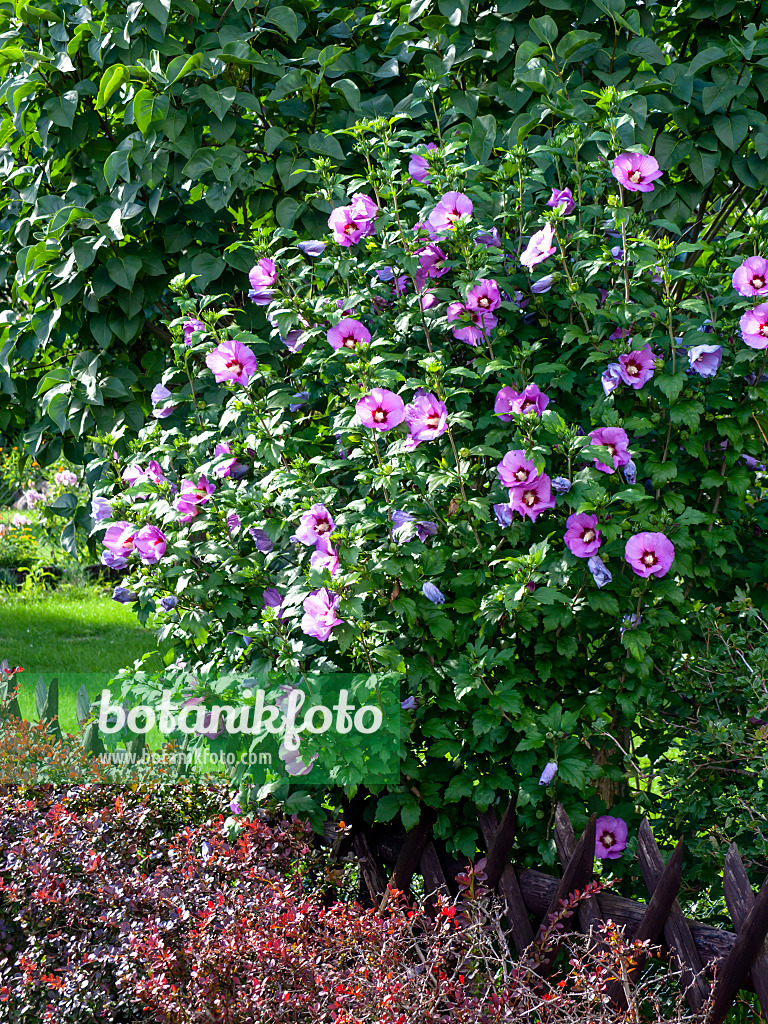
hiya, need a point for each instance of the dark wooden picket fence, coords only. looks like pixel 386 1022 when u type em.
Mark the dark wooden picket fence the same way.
pixel 735 960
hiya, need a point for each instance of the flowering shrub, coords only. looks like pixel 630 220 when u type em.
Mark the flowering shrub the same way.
pixel 501 433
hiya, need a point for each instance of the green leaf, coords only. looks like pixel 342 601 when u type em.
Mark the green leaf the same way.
pixel 273 137
pixel 711 55
pixel 574 41
pixel 688 413
pixel 62 109
pixel 149 108
pixel 614 10
pixel 731 130
pixel 631 495
pixel 158 9
pixel 181 66
pixel 646 49
pixel 349 91
pixel 57 410
pixel 111 81
pixel 286 211
pixel 208 267
pixel 64 505
pixel 327 145
pixel 285 19
pixel 123 270
pixel 670 150
pixel 410 814
pixel 703 164
pixel 544 28
pixel 483 138
pixel 671 384
pixel 218 101
pixel 330 54
pixel 417 8
pixel 388 806
pixel 717 97
pixel 692 517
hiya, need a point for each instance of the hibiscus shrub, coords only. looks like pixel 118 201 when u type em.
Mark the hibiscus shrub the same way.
pixel 505 432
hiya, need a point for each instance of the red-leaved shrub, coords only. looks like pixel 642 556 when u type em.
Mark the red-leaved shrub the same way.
pixel 127 908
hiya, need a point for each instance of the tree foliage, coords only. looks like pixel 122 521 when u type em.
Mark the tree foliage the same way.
pixel 145 139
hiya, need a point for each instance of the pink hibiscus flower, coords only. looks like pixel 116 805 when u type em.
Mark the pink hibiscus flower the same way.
pixel 231 361
pixel 636 171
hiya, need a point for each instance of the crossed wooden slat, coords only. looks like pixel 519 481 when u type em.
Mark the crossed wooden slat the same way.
pixel 734 958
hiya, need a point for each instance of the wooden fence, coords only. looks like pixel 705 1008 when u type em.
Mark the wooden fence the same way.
pixel 735 960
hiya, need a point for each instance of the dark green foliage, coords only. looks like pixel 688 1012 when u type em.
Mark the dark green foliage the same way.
pixel 143 140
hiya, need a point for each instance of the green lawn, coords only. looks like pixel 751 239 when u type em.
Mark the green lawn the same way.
pixel 76 633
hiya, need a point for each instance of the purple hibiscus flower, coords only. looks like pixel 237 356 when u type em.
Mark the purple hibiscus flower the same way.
pixel 316 523
pixel 582 537
pixel 418 166
pixel 610 837
pixel 636 171
pixel 751 278
pixel 615 439
pixel 705 359
pixel 754 326
pixel 231 361
pixel 380 409
pixel 562 199
pixel 531 499
pixel 427 419
pixel 637 367
pixel 539 247
pixel 650 554
pixel 320 614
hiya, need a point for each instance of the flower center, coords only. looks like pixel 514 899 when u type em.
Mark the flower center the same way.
pixel 349 341
pixel 379 416
pixel 432 420
pixel 757 281
pixel 608 839
pixel 322 526
pixel 234 363
pixel 632 369
pixel 636 177
pixel 521 474
pixel 529 498
pixel 611 449
pixel 588 536
pixel 484 302
pixel 648 558
pixel 764 330
pixel 527 406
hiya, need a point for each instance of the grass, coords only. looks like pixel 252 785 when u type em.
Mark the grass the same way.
pixel 78 634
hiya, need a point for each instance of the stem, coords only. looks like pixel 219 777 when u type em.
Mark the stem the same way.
pixel 461 482
pixel 367 655
pixel 568 273
pixel 624 248
pixel 384 488
pixel 192 386
pixel 458 467
pixel 437 119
